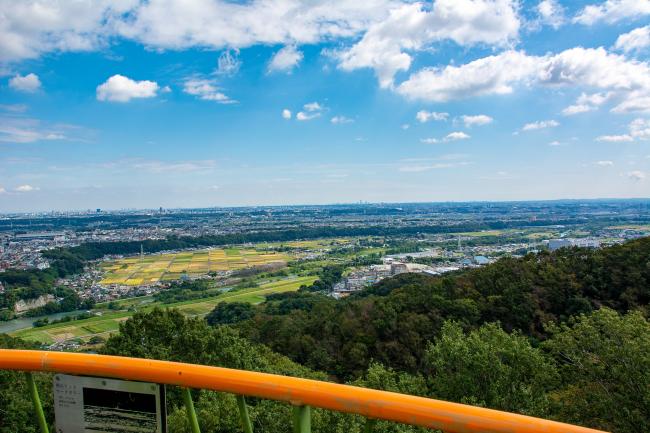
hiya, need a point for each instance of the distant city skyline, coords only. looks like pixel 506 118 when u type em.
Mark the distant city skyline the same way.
pixel 642 201
pixel 210 103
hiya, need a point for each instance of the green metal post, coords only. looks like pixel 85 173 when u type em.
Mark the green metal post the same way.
pixel 191 414
pixel 370 425
pixel 243 414
pixel 40 416
pixel 301 419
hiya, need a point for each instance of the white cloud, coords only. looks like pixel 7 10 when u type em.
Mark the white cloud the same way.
pixel 629 80
pixel 24 130
pixel 2 190
pixel 384 47
pixel 636 40
pixel 285 59
pixel 206 90
pixel 615 138
pixel 26 188
pixel 341 119
pixel 453 136
pixel 487 76
pixel 636 175
pixel 119 88
pixel 612 11
pixel 551 13
pixel 593 67
pixel 577 109
pixel 635 102
pixel 312 106
pixel 586 102
pixel 30 28
pixel 178 24
pixel 604 163
pixel 555 143
pixel 541 124
pixel 405 126
pixel 286 114
pixel 424 116
pixel 311 110
pixel 29 83
pixel 478 120
pixel 306 116
pixel 594 99
pixel 640 128
pixel 228 63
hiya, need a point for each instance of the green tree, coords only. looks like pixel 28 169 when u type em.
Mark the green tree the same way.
pixel 489 367
pixel 604 361
pixel 168 335
pixel 226 313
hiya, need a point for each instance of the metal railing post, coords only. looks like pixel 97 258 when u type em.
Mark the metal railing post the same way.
pixel 243 414
pixel 301 419
pixel 191 413
pixel 33 391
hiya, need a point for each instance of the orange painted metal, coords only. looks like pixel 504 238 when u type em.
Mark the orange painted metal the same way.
pixel 436 414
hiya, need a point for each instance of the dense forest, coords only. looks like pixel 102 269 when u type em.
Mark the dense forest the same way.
pixel 392 321
pixel 562 335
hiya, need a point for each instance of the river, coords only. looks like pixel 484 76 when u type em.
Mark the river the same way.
pixel 26 322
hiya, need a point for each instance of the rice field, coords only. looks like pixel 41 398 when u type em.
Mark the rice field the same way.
pixel 109 322
pixel 135 271
pixel 253 295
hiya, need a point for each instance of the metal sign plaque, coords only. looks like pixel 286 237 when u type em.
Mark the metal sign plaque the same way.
pixel 97 405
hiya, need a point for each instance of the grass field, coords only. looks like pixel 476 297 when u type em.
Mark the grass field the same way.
pixel 109 322
pixel 312 244
pixel 630 227
pixel 134 271
pixel 79 328
pixel 482 233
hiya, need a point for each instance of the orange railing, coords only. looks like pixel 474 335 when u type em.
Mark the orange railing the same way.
pixel 372 404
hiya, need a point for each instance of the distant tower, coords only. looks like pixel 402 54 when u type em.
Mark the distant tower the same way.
pixel 459 246
pixel 141 253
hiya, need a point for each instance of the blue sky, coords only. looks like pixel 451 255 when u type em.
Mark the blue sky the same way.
pixel 173 103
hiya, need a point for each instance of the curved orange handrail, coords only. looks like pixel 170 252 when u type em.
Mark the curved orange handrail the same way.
pixel 436 414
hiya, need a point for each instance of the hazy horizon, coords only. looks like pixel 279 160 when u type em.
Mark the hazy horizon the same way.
pixel 357 203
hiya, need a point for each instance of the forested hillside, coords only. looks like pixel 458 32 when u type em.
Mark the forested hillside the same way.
pixel 392 322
